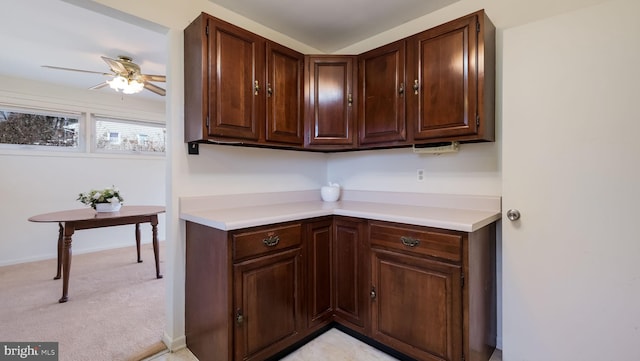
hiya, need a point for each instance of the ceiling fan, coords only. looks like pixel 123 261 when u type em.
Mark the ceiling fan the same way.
pixel 126 76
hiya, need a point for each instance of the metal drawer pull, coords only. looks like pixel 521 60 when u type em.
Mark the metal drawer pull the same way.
pixel 409 242
pixel 271 241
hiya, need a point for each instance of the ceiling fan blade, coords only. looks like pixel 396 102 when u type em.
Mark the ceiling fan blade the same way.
pixel 78 70
pixel 149 77
pixel 99 86
pixel 115 65
pixel 154 88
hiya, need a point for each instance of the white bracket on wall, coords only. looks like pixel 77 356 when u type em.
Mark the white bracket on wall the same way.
pixel 436 148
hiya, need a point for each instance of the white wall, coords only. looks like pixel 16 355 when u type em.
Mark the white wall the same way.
pixel 474 169
pixel 35 182
pixel 220 169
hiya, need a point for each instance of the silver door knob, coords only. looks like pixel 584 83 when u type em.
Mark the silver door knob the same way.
pixel 513 214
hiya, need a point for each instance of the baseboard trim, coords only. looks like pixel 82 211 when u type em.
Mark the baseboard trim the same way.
pixel 174 344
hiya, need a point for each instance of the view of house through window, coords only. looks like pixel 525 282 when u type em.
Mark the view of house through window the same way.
pixel 119 135
pixel 28 128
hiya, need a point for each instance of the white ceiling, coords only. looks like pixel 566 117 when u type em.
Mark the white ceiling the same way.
pixel 82 31
pixel 330 25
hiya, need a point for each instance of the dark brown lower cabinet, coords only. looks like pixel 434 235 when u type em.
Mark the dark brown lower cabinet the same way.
pixel 351 303
pixel 433 291
pixel 426 293
pixel 320 286
pixel 416 306
pixel 243 291
pixel 266 300
pixel 337 277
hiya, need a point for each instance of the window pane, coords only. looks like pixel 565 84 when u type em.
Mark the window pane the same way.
pixel 119 135
pixel 27 128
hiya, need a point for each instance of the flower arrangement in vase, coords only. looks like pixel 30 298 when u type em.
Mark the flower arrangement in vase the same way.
pixel 104 200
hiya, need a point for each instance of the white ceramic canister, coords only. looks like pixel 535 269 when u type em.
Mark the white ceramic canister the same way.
pixel 330 193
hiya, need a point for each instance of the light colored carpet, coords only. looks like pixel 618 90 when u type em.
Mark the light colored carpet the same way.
pixel 115 309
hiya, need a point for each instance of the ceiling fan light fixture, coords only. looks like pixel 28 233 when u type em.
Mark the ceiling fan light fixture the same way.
pixel 127 76
pixel 128 86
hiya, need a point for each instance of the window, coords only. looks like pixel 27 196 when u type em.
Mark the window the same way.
pixel 118 135
pixel 40 129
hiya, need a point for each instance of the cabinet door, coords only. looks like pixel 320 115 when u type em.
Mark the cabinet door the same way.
pixel 208 293
pixel 266 304
pixel 285 95
pixel 351 273
pixel 382 94
pixel 236 68
pixel 330 101
pixel 319 249
pixel 416 306
pixel 443 73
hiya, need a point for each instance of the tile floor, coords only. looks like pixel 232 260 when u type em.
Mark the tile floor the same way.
pixel 332 345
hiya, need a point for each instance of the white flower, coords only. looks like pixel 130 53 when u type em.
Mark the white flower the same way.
pixel 108 195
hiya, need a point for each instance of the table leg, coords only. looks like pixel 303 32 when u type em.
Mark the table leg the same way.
pixel 66 262
pixel 156 247
pixel 60 237
pixel 138 241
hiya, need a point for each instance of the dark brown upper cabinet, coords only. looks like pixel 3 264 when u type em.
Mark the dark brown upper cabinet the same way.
pixel 330 102
pixel 450 76
pixel 285 95
pixel 240 87
pixel 381 81
pixel 224 66
pixel 434 86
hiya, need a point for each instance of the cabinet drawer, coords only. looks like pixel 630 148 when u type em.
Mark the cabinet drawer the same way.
pixel 416 240
pixel 265 240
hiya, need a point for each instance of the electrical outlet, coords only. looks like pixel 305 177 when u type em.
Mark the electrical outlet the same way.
pixel 420 175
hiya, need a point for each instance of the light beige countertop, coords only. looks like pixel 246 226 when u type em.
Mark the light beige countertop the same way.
pixel 454 212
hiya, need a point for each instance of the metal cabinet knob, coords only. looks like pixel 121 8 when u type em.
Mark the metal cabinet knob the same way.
pixel 239 317
pixel 513 214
